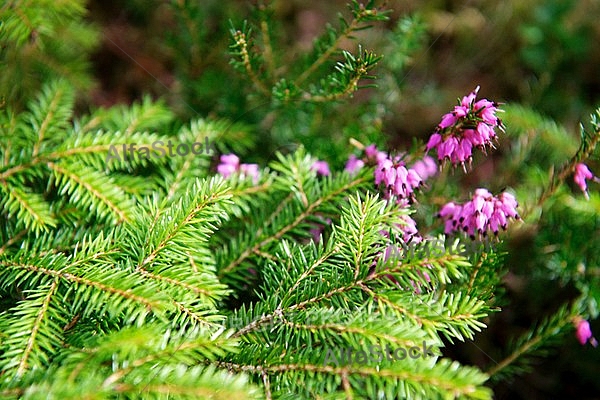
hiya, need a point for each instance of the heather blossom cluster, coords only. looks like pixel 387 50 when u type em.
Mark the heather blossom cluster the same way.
pixel 472 124
pixel 397 180
pixel 484 212
pixel 372 157
pixel 230 164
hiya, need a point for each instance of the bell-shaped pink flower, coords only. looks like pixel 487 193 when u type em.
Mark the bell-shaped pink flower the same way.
pixel 397 180
pixel 374 156
pixel 250 170
pixel 230 164
pixel 425 168
pixel 321 167
pixel 354 164
pixel 583 332
pixel 582 173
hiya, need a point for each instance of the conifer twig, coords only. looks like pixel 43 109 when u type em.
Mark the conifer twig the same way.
pixel 241 40
pixel 327 53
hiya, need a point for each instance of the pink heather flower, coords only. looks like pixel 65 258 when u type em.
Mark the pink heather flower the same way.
pixel 470 124
pixel 396 179
pixel 231 159
pixel 584 332
pixel 226 170
pixel 448 120
pixel 354 164
pixel 481 214
pixel 374 156
pixel 425 168
pixel 321 167
pixel 250 170
pixel 434 141
pixel 582 173
pixel 230 164
pixel 408 228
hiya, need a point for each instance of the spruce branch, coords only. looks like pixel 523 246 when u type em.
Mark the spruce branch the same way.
pixel 326 275
pixel 39 316
pixel 30 209
pixel 266 38
pixel 146 362
pixel 89 186
pixel 294 175
pixel 429 312
pixel 51 113
pixel 444 378
pixel 90 289
pixel 147 115
pixel 535 342
pixel 42 43
pixel 345 80
pixel 42 146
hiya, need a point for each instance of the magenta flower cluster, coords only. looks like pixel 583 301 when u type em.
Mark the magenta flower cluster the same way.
pixel 372 157
pixel 483 213
pixel 321 167
pixel 230 164
pixel 472 124
pixel 396 179
pixel 426 167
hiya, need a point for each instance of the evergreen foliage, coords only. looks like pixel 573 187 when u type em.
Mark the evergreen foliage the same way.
pixel 40 41
pixel 91 270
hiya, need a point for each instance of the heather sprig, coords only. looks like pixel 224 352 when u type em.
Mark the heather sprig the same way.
pixel 230 164
pixel 472 124
pixel 480 215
